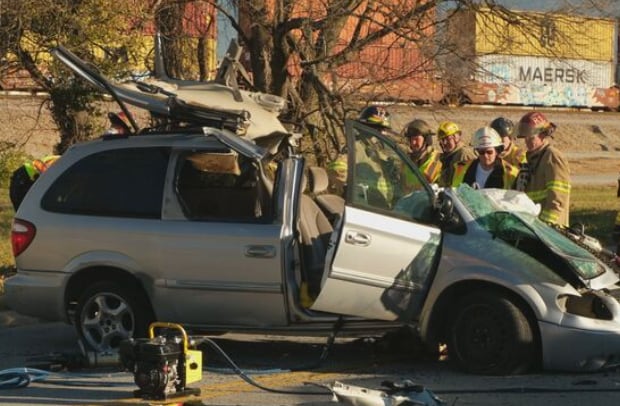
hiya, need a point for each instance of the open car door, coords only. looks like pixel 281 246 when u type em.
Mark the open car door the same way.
pixel 384 252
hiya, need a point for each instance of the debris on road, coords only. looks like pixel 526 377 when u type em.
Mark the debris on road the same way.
pixel 401 393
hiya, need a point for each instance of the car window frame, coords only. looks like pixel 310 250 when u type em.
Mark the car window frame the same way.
pixel 99 213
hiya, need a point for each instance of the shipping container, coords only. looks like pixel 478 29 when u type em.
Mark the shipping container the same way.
pixel 386 72
pixel 536 59
pixel 481 32
pixel 531 80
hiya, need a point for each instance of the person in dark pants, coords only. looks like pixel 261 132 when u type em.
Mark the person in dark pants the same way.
pixel 24 177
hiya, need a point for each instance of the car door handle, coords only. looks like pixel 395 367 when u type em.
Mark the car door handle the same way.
pixel 260 251
pixel 356 238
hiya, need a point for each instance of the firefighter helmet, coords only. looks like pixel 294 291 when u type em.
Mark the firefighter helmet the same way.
pixel 375 116
pixel 503 126
pixel 485 138
pixel 447 129
pixel 419 127
pixel 535 123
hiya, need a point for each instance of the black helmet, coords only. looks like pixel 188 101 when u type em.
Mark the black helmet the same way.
pixel 419 127
pixel 503 126
pixel 375 116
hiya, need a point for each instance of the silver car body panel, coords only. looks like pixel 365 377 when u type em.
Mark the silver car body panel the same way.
pixel 362 282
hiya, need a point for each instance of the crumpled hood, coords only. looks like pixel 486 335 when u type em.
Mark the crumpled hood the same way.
pixel 495 211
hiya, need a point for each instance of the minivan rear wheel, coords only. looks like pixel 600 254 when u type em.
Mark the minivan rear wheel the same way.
pixel 490 334
pixel 108 313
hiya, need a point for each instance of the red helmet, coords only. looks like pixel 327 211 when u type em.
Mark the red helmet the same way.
pixel 535 123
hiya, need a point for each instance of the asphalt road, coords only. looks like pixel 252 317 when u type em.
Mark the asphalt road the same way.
pixel 289 364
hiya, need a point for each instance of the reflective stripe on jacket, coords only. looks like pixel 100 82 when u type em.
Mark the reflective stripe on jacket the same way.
pixel 460 154
pixel 502 176
pixel 428 163
pixel 549 184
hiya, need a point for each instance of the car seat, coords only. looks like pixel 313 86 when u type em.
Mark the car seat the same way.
pixel 331 204
pixel 315 231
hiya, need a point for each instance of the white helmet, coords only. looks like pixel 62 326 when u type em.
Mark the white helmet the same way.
pixel 485 138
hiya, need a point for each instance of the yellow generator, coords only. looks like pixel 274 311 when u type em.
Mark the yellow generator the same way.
pixel 162 366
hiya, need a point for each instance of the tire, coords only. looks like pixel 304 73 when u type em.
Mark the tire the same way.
pixel 108 313
pixel 489 334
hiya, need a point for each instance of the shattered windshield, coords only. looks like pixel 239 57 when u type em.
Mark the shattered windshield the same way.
pixel 507 216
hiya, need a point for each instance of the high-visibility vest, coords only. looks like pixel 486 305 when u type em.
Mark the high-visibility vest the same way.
pixel 509 172
pixel 35 168
pixel 429 164
pixel 514 155
pixel 448 160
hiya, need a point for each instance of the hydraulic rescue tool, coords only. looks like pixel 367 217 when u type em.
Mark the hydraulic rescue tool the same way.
pixel 162 365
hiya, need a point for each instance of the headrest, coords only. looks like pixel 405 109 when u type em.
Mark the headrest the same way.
pixel 318 179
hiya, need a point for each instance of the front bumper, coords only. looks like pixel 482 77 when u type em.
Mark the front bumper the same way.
pixel 37 294
pixel 580 350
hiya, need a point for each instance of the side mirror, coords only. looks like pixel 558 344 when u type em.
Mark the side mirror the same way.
pixel 447 217
pixel 445 207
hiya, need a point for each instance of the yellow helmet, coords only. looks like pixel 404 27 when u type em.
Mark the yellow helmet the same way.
pixel 447 129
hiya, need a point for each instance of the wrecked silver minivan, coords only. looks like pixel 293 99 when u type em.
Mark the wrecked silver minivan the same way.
pixel 219 225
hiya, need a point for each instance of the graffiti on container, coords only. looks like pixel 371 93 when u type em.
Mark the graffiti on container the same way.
pixel 544 94
pixel 527 80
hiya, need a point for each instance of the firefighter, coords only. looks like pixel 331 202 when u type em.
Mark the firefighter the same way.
pixel 374 169
pixel 373 116
pixel 545 177
pixel 489 170
pixel 420 139
pixel 24 177
pixel 453 150
pixel 505 128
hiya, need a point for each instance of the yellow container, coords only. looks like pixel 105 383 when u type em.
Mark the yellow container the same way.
pixel 548 35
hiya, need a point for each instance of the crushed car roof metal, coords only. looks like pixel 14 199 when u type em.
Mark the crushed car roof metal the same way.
pixel 204 103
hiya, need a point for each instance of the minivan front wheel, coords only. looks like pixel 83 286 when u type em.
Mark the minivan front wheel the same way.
pixel 108 313
pixel 490 334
